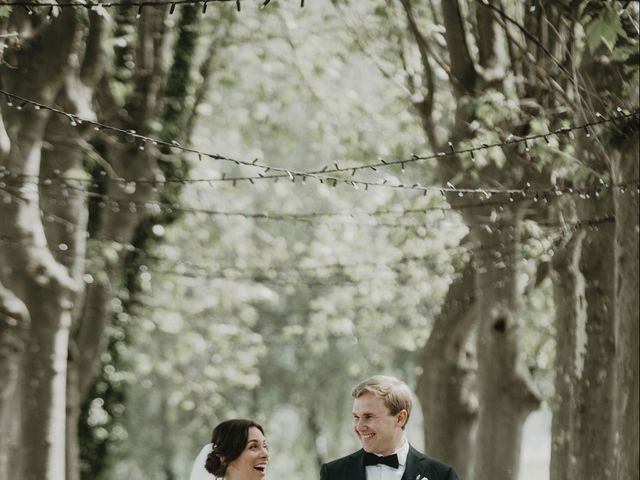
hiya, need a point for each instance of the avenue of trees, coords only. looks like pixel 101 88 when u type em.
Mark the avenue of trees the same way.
pixel 211 210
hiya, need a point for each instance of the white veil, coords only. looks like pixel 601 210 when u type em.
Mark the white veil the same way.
pixel 198 471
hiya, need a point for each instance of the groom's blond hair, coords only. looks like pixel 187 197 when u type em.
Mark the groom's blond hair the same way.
pixel 394 393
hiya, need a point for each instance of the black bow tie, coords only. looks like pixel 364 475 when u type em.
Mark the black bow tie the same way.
pixel 372 459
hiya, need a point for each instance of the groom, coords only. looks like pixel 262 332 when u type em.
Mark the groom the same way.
pixel 381 409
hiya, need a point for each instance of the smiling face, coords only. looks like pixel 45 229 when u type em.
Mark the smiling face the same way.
pixel 252 462
pixel 378 430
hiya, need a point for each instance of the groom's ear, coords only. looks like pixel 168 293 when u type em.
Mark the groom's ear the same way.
pixel 402 417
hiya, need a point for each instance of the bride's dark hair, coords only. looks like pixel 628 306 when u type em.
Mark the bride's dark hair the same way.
pixel 229 440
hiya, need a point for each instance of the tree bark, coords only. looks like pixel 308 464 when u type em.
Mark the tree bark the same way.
pixel 465 77
pixel 48 291
pixel 446 387
pixel 29 269
pixel 314 426
pixel 66 202
pixel 582 434
pixel 120 215
pixel 506 392
pixel 595 380
pixel 613 77
pixel 627 311
pixel 570 305
pixel 14 323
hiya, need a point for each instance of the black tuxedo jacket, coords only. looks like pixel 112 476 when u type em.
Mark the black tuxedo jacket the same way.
pixel 352 467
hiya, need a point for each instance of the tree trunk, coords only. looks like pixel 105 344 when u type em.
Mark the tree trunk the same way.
pixel 570 305
pixel 446 387
pixel 507 394
pixel 506 391
pixel 595 380
pixel 45 391
pixel 314 427
pixel 14 323
pixel 46 289
pixel 625 169
pixel 66 201
pixel 166 442
pixel 120 216
pixel 582 434
pixel 121 208
pixel 29 269
pixel 614 78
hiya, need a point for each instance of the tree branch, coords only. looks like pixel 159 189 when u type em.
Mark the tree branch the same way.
pixel 425 107
pixel 462 66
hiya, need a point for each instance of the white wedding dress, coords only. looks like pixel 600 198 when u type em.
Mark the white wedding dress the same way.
pixel 198 471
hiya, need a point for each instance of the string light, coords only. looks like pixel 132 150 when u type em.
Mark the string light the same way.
pixel 107 4
pixel 265 274
pixel 29 6
pixel 305 218
pixel 321 176
pixel 493 226
pixel 486 201
pixel 310 219
pixel 564 227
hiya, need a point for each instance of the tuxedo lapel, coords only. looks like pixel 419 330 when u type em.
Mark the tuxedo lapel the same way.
pixel 412 470
pixel 355 467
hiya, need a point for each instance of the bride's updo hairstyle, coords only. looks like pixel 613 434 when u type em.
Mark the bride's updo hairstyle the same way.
pixel 229 439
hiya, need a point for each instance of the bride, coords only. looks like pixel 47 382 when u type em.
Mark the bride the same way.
pixel 238 451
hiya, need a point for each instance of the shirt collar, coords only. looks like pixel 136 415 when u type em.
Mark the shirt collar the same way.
pixel 402 452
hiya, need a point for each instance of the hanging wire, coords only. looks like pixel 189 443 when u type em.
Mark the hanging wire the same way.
pixel 486 197
pixel 118 4
pixel 301 217
pixel 321 175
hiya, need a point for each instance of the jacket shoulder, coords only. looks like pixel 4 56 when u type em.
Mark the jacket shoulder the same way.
pixel 339 465
pixel 434 468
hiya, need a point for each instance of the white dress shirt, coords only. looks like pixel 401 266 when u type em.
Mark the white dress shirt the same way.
pixel 385 472
pixel 198 472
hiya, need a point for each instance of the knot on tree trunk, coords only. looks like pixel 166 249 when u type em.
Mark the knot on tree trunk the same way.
pixel 500 325
pixel 14 321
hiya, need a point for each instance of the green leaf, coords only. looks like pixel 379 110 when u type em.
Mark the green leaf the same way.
pixel 604 29
pixel 499 158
